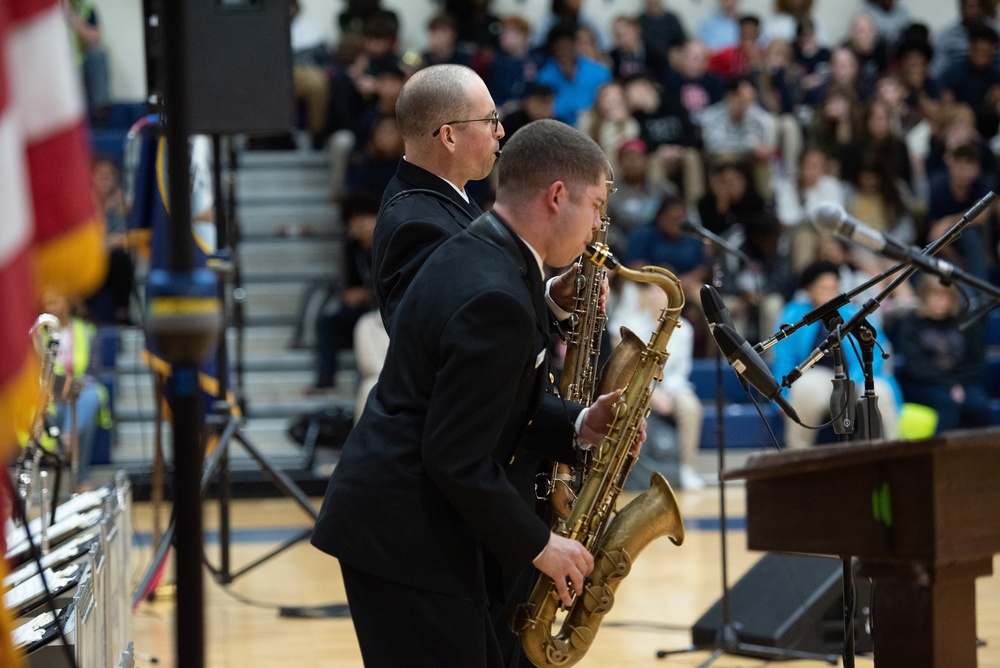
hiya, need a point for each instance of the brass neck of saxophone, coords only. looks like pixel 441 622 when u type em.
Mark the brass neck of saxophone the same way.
pixel 600 255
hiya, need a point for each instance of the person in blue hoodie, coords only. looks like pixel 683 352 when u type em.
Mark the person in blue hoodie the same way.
pixel 810 395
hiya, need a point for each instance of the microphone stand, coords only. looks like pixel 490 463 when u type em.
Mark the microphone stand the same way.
pixel 842 411
pixel 727 640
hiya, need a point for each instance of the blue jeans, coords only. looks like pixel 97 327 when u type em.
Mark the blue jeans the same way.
pixel 974 412
pixel 96 78
pixel 88 407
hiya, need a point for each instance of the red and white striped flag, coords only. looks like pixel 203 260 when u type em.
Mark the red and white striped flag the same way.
pixel 51 230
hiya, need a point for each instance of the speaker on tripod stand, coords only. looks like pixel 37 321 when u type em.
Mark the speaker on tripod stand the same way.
pixel 238 75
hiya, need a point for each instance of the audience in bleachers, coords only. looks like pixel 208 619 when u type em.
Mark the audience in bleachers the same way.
pixel 746 123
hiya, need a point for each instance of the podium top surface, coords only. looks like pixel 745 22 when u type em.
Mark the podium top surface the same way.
pixel 832 457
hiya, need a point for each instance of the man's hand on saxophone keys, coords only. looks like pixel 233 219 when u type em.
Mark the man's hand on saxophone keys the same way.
pixel 567 562
pixel 563 290
pixel 595 422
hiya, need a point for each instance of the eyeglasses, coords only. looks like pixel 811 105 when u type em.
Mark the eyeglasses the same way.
pixel 495 119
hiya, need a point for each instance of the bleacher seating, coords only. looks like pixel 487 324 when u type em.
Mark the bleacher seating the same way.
pixel 109 138
pixel 742 424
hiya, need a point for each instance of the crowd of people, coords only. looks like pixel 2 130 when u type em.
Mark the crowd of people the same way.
pixel 742 123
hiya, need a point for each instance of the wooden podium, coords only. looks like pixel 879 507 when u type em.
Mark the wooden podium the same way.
pixel 921 517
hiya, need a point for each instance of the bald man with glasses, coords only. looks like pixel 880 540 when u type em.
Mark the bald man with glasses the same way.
pixel 451 131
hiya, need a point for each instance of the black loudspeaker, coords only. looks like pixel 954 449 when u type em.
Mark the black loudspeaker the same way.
pixel 791 601
pixel 239 68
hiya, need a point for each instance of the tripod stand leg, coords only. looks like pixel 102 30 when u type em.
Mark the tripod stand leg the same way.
pixel 279 478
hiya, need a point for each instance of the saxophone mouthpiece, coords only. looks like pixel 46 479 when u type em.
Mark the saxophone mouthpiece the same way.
pixel 601 255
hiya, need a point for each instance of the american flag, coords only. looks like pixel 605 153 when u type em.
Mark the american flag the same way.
pixel 51 230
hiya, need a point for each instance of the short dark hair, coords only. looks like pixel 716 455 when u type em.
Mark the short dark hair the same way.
pixel 443 21
pixel 749 19
pixel 968 151
pixel 546 151
pixel 914 45
pixel 734 84
pixel 669 202
pixel 980 32
pixel 813 271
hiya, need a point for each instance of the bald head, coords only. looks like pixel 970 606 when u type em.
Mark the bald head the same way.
pixel 433 96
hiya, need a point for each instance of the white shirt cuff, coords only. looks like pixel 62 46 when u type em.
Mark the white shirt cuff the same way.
pixel 582 444
pixel 557 310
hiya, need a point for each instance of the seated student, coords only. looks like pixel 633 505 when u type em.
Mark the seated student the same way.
pixel 674 399
pixel 111 302
pixel 335 325
pixel 371 168
pixel 669 134
pixel 952 194
pixel 637 196
pixel 810 395
pixel 74 373
pixel 740 129
pixel 574 78
pixel 662 242
pixel 609 122
pixel 942 364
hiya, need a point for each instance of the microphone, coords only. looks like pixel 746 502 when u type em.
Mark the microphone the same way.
pixel 498 152
pixel 716 311
pixel 699 231
pixel 749 365
pixel 832 217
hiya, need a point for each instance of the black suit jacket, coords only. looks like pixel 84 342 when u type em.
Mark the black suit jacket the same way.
pixel 421 488
pixel 410 227
pixel 419 212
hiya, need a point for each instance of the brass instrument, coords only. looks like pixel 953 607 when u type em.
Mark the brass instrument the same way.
pixel 45 334
pixel 615 543
pixel 45 337
pixel 579 379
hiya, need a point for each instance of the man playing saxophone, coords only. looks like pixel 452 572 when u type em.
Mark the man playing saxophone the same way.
pixel 427 203
pixel 420 511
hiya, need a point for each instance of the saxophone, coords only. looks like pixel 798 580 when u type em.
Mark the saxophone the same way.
pixel 579 379
pixel 615 543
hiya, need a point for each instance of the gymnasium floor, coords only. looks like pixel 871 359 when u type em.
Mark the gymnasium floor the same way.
pixel 669 589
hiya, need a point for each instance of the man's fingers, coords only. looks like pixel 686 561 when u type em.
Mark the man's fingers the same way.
pixel 563 591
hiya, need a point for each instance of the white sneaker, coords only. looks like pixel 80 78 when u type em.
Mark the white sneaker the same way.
pixel 691 480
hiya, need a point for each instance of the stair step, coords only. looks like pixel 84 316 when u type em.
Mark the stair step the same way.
pixel 251 160
pixel 136 440
pixel 264 342
pixel 298 256
pixel 320 217
pixel 280 393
